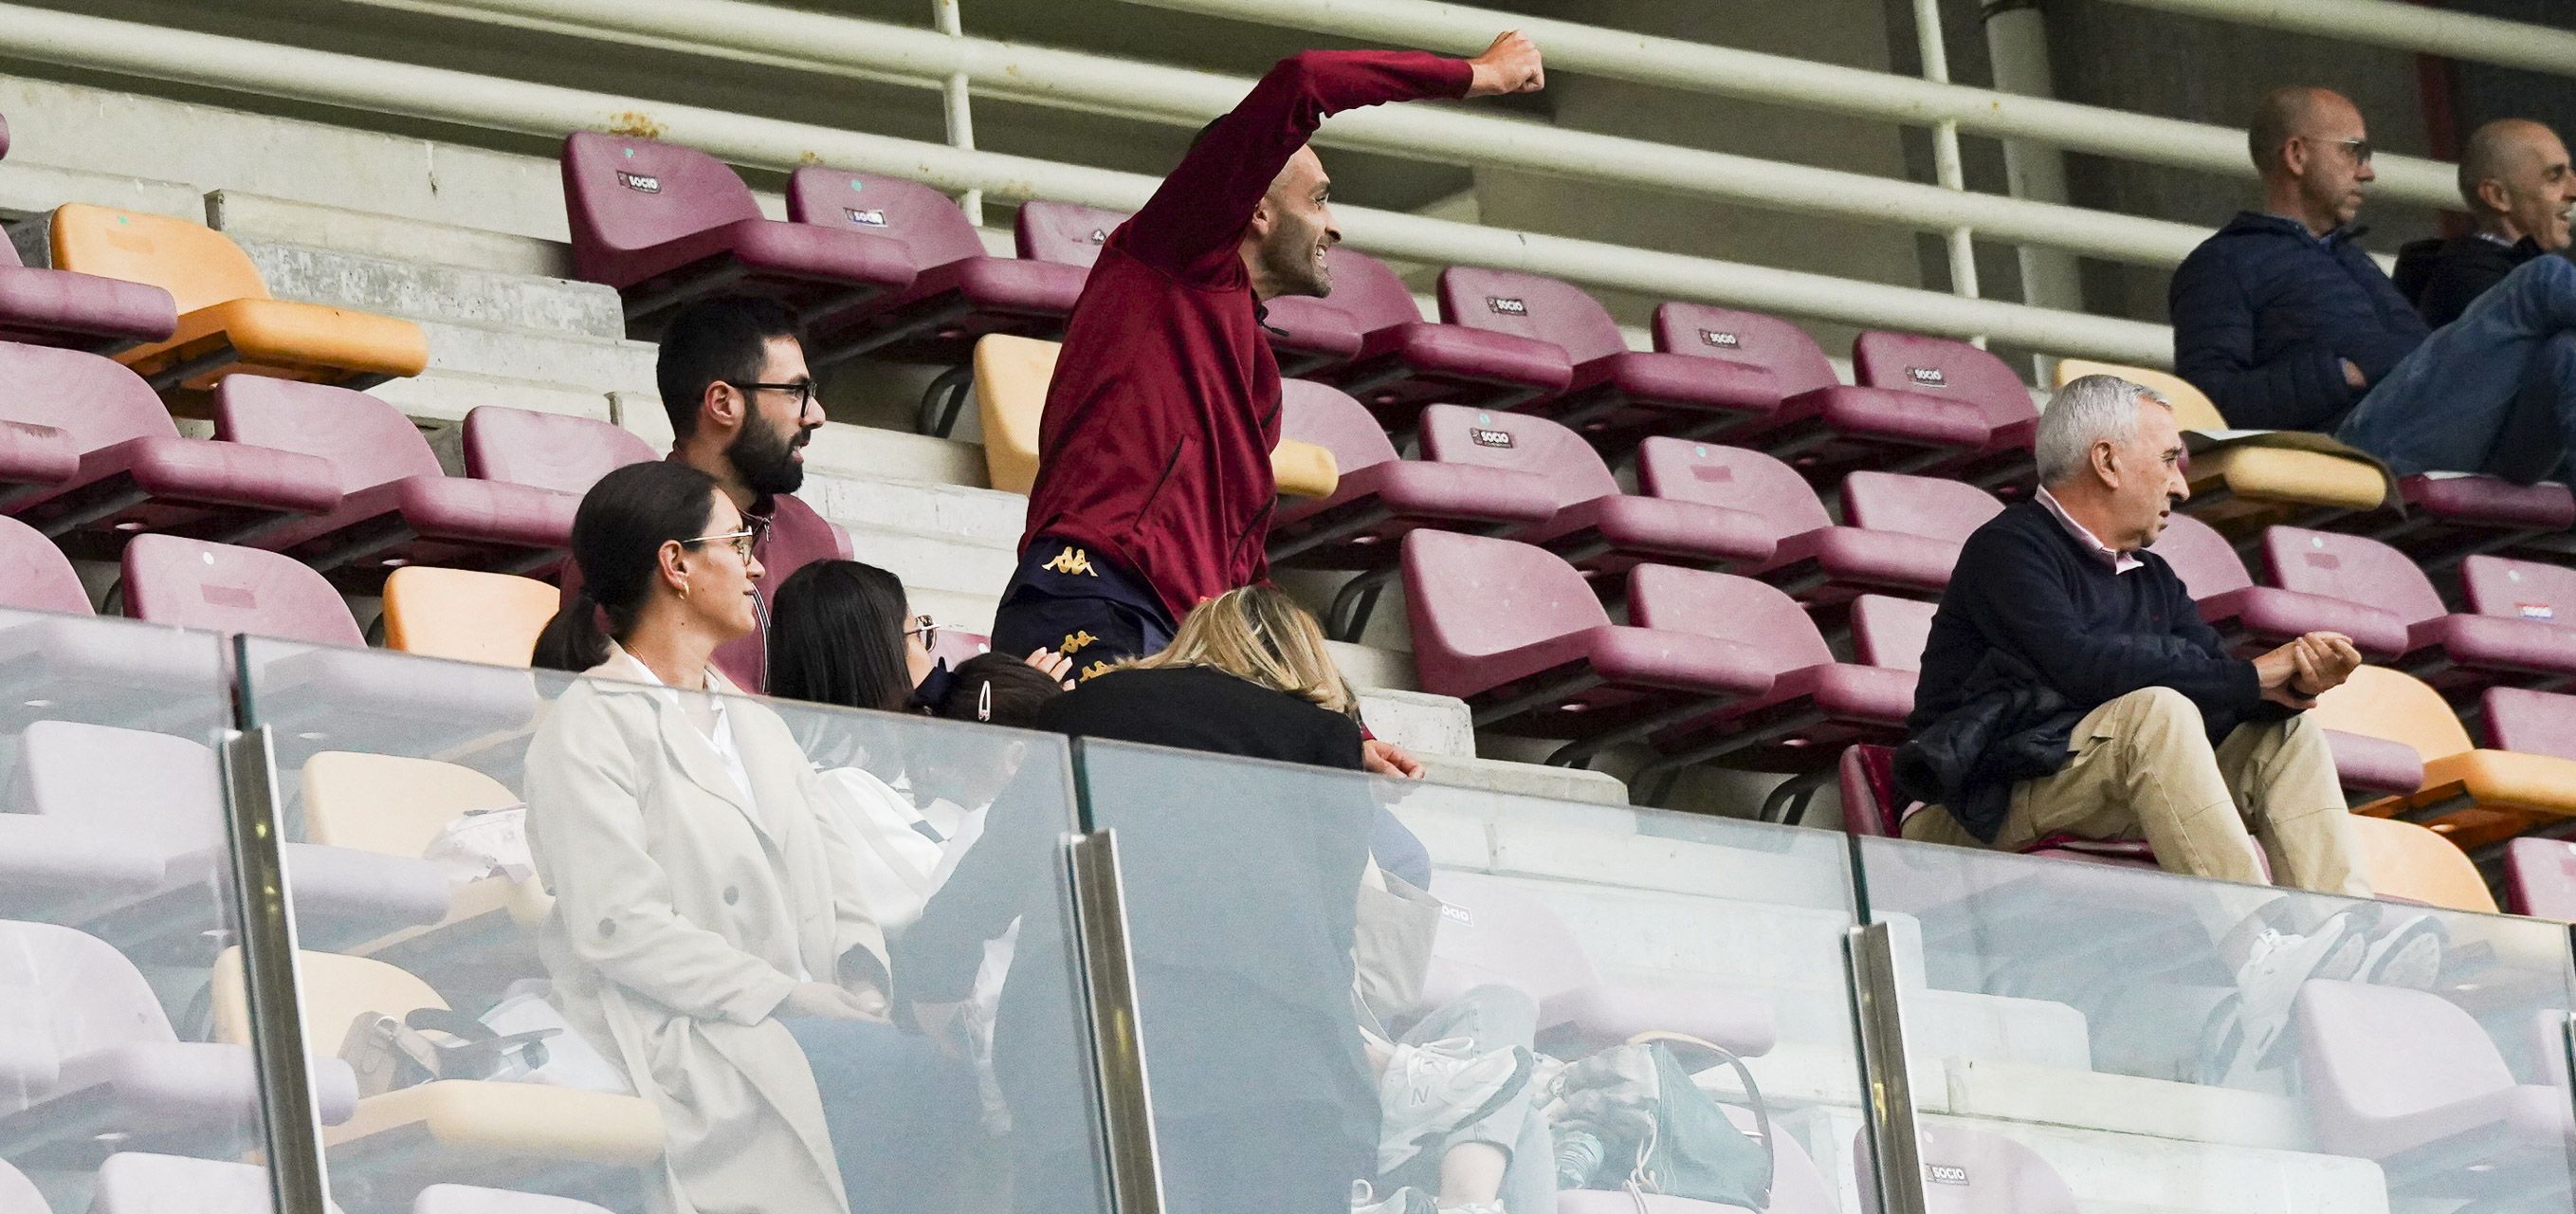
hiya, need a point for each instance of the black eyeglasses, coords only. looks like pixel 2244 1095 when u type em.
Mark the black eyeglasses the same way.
pixel 804 390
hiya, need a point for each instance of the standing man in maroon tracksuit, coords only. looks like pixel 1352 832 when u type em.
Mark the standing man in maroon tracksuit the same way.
pixel 1154 488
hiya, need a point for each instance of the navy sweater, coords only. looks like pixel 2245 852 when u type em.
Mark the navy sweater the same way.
pixel 2026 587
pixel 2264 312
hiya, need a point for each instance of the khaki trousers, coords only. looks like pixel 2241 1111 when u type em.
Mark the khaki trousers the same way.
pixel 2142 768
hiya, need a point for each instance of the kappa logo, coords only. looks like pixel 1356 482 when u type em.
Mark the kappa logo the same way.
pixel 1946 1173
pixel 865 219
pixel 641 183
pixel 1483 437
pixel 1076 641
pixel 1073 561
pixel 1927 377
pixel 1721 340
pixel 1093 671
pixel 1507 306
pixel 2536 611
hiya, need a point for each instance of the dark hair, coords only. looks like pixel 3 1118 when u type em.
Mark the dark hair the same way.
pixel 997 689
pixel 722 338
pixel 617 538
pixel 836 637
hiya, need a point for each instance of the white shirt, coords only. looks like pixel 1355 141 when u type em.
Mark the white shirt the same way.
pixel 2120 562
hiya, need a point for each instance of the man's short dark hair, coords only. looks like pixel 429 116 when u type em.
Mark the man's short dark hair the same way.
pixel 721 338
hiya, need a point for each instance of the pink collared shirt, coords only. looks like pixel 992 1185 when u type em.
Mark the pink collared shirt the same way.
pixel 2120 562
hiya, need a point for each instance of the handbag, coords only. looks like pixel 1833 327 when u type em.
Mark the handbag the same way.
pixel 1653 1130
pixel 388 1054
pixel 1391 945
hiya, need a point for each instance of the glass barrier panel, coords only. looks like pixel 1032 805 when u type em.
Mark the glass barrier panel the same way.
pixel 116 900
pixel 599 938
pixel 2124 1038
pixel 1454 996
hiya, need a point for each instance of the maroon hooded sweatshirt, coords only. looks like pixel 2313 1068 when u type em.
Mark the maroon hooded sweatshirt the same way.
pixel 1155 445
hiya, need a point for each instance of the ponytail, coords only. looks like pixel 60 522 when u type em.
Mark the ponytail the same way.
pixel 617 538
pixel 573 640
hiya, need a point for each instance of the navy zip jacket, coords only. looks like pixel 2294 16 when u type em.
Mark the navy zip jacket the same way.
pixel 2264 312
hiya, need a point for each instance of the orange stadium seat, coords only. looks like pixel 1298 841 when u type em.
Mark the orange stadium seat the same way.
pixel 2412 863
pixel 2474 796
pixel 393 805
pixel 2243 488
pixel 228 321
pixel 466 614
pixel 1011 375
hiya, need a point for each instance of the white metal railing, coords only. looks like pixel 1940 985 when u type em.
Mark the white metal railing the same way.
pixel 2397 26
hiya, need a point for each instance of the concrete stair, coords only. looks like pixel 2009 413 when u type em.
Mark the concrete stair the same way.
pixel 396 286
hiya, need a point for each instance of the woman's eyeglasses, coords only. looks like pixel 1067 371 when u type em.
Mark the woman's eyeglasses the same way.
pixel 926 629
pixel 741 541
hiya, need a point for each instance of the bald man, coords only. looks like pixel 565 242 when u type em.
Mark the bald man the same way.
pixel 2515 179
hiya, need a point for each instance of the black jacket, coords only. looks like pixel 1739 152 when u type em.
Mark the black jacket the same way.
pixel 2264 313
pixel 2008 726
pixel 2443 277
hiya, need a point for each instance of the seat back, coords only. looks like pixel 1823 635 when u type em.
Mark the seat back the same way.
pixel 1493 932
pixel 2191 407
pixel 337 989
pixel 1063 232
pixel 1891 632
pixel 392 805
pixel 1369 290
pixel 925 220
pixel 2525 590
pixel 1011 377
pixel 1871 803
pixel 1973 1171
pixel 154 792
pixel 224 588
pixel 136 1182
pixel 1938 366
pixel 1795 361
pixel 467 615
pixel 622 194
pixel 1732 477
pixel 1532 306
pixel 2372 1053
pixel 1455 434
pixel 2540 878
pixel 40 576
pixel 196 264
pixel 1468 595
pixel 466 1199
pixel 368 441
pixel 2531 722
pixel 547 450
pixel 2352 568
pixel 65 993
pixel 1917 505
pixel 1729 608
pixel 18 1194
pixel 2377 702
pixel 2201 557
pixel 1328 417
pixel 93 399
pixel 2408 861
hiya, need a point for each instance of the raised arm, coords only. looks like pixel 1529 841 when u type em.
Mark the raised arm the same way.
pixel 2213 323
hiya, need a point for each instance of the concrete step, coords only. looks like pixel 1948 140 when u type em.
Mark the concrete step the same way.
pixel 34 190
pixel 246 216
pixel 841 448
pixel 407 286
pixel 1427 725
pixel 1521 779
pixel 566 360
pixel 446 396
pixel 981 517
pixel 937 562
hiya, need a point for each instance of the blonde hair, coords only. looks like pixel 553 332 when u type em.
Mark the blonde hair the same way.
pixel 1260 635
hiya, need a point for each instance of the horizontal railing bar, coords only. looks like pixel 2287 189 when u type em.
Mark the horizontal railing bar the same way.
pixel 2403 27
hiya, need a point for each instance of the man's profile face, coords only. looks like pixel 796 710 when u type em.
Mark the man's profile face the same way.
pixel 1299 206
pixel 2335 172
pixel 768 452
pixel 2539 188
pixel 2150 468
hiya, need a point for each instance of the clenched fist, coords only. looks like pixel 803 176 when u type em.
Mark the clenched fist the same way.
pixel 1510 65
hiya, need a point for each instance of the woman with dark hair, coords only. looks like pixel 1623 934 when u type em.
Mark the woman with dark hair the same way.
pixel 702 899
pixel 839 634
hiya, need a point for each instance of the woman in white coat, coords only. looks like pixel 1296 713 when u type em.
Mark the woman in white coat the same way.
pixel 699 895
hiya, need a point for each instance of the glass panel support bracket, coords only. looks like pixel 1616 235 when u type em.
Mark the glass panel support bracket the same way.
pixel 1895 1139
pixel 1117 1042
pixel 265 917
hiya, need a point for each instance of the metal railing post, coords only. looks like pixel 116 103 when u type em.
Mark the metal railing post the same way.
pixel 1946 169
pixel 265 917
pixel 956 107
pixel 1894 1137
pixel 1117 1040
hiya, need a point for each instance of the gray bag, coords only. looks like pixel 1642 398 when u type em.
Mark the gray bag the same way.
pixel 1391 946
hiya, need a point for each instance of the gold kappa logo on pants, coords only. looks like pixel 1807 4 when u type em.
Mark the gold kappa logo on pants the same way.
pixel 1072 560
pixel 1075 641
pixel 1093 671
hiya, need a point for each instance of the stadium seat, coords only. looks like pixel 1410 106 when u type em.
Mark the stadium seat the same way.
pixel 2450 515
pixel 228 321
pixel 547 450
pixel 135 1182
pixel 1890 632
pixel 2474 796
pixel 34 458
pixel 1816 561
pixel 463 1199
pixel 2459 654
pixel 1823 426
pixel 957 294
pixel 1616 393
pixel 396 806
pixel 1957 372
pixel 65 665
pixel 1797 1185
pixel 18 1195
pixel 1518 634
pixel 1873 808
pixel 1306 334
pixel 40 577
pixel 95 1067
pixel 1815 706
pixel 1380 497
pixel 667 225
pixel 1405 362
pixel 2409 863
pixel 2519 590
pixel 466 1131
pixel 1596 528
pixel 132 471
pixel 2254 618
pixel 2243 489
pixel 42 307
pixel 397 507
pixel 2540 878
pixel 2411 1080
pixel 1971 1171
pixel 467 615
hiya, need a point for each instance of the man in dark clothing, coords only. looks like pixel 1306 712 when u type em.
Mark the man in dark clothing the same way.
pixel 1154 486
pixel 2515 178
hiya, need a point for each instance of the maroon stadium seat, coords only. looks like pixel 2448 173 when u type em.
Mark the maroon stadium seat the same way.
pixel 1381 497
pixel 1823 425
pixel 547 450
pixel 397 507
pixel 1405 362
pixel 2452 515
pixel 1596 528
pixel 1818 563
pixel 66 666
pixel 1515 632
pixel 2254 618
pixel 1616 392
pixel 2519 590
pixel 1956 372
pixel 224 588
pixel 2458 654
pixel 1306 334
pixel 135 472
pixel 958 292
pixel 2540 878
pixel 666 224
pixel 2412 1081
pixel 1890 632
pixel 34 458
pixel 1973 1171
pixel 40 576
pixel 42 307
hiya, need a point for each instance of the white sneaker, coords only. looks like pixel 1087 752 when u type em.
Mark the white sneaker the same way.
pixel 2277 965
pixel 1429 1090
pixel 2407 953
